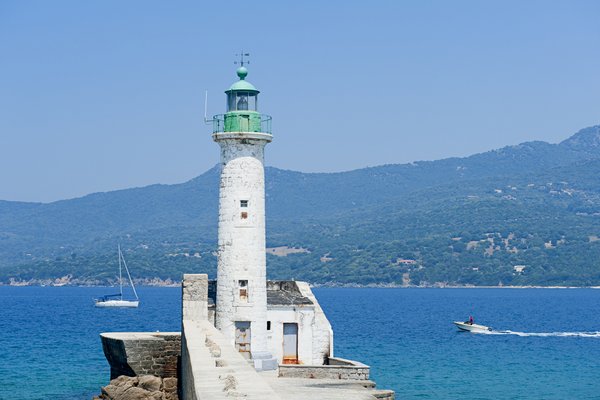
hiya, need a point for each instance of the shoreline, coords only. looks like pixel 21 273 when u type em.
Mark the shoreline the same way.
pixel 389 286
pixel 172 284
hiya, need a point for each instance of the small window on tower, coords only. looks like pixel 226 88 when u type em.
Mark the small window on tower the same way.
pixel 244 215
pixel 268 325
pixel 243 286
pixel 243 203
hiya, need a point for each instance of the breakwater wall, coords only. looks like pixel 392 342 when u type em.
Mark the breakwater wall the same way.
pixel 142 353
pixel 337 368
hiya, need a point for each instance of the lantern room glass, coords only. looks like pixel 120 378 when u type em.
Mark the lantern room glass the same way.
pixel 242 101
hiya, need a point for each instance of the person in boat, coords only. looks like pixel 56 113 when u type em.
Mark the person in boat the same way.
pixel 470 320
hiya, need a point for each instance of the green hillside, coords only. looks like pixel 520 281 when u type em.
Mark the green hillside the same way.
pixel 522 215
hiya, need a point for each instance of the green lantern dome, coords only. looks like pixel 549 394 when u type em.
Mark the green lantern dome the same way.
pixel 242 84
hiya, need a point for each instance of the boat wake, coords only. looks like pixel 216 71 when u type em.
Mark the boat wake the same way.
pixel 543 334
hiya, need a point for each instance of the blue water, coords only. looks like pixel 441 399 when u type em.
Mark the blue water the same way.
pixel 549 346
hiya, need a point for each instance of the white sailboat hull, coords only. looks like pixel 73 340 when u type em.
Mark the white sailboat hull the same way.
pixel 116 300
pixel 118 303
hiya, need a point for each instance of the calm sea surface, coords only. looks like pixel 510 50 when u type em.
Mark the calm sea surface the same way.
pixel 549 347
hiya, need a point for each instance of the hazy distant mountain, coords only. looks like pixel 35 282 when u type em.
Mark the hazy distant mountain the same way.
pixel 458 220
pixel 586 141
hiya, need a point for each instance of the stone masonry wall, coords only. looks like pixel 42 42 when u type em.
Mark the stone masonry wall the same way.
pixel 339 369
pixel 194 297
pixel 322 341
pixel 241 238
pixel 142 353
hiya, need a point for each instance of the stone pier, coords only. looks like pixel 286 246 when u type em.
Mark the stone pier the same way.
pixel 208 366
pixel 142 353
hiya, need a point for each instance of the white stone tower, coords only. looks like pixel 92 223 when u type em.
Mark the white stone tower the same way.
pixel 241 309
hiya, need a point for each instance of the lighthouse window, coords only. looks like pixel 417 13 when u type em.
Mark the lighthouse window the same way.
pixel 252 100
pixel 231 102
pixel 243 203
pixel 243 286
pixel 244 215
pixel 241 101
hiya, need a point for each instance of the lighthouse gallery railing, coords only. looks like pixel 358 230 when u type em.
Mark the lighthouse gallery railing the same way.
pixel 265 123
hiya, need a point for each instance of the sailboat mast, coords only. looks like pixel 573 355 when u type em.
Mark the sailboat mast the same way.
pixel 130 280
pixel 120 273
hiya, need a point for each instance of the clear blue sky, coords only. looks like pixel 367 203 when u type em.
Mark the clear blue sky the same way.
pixel 102 95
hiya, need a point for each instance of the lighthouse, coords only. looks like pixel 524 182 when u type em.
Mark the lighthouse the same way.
pixel 241 300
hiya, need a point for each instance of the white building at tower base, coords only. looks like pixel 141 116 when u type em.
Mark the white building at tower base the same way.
pixel 297 330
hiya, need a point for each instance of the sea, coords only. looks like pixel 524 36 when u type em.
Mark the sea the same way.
pixel 545 343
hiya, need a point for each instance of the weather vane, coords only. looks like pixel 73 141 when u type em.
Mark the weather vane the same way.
pixel 242 55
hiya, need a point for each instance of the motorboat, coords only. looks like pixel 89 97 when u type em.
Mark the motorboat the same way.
pixel 116 300
pixel 471 327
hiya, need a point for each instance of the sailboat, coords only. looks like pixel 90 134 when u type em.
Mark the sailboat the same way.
pixel 116 300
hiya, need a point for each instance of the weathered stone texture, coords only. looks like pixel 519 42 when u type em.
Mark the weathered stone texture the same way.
pixel 241 240
pixel 140 353
pixel 322 340
pixel 150 382
pixel 194 296
pixel 338 368
pixel 144 387
pixel 384 394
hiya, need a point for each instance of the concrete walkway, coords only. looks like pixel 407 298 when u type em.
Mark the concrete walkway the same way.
pixel 216 370
pixel 329 389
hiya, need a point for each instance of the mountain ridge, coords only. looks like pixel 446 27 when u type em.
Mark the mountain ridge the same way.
pixel 39 237
pixel 582 140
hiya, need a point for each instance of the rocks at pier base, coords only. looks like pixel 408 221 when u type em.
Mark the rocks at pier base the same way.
pixel 144 387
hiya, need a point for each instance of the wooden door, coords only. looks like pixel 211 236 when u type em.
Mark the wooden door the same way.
pixel 290 343
pixel 242 338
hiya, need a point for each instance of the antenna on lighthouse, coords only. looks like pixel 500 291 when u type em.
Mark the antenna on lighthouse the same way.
pixel 242 61
pixel 206 120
